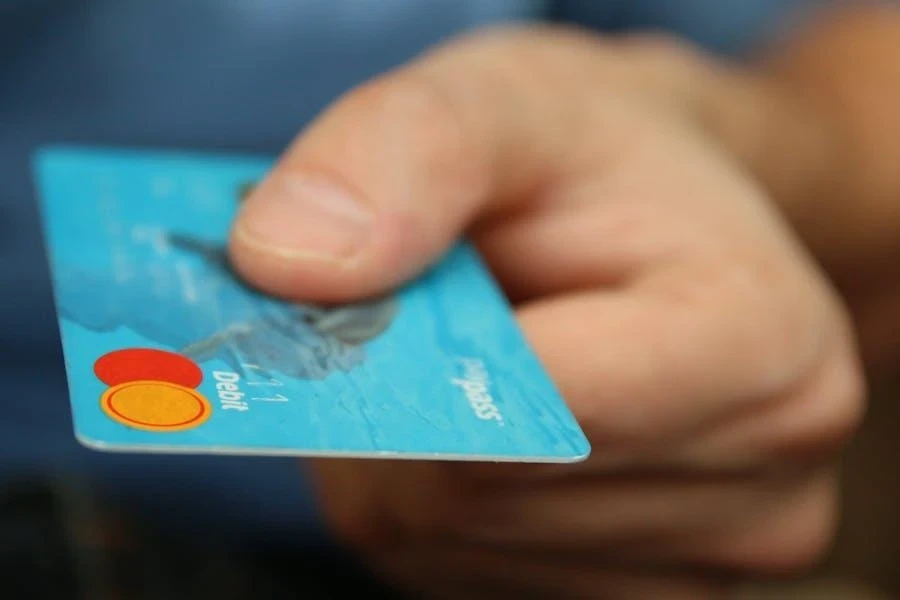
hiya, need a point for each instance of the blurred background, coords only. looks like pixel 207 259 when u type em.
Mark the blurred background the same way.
pixel 245 76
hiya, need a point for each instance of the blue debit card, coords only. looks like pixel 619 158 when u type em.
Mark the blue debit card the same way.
pixel 166 351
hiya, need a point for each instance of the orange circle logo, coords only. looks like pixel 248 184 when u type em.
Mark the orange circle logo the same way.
pixel 152 390
pixel 155 406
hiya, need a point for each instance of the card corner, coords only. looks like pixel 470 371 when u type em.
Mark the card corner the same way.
pixel 92 443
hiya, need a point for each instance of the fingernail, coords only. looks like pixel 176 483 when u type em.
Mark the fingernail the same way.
pixel 301 217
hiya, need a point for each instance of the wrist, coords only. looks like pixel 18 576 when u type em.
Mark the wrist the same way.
pixel 792 145
pixel 817 125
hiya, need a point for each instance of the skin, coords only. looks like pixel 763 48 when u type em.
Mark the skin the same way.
pixel 845 67
pixel 628 196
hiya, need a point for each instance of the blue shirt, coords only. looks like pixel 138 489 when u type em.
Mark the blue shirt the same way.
pixel 241 75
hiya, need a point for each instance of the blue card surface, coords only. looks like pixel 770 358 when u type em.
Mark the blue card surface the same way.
pixel 166 351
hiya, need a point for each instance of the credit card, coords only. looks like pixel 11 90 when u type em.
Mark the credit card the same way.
pixel 167 351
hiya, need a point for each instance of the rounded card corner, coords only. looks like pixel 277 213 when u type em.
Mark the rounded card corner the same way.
pixel 91 443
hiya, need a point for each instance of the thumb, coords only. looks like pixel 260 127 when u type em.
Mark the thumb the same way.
pixel 386 179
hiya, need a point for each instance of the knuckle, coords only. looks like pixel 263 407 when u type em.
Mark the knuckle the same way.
pixel 420 116
pixel 639 413
pixel 663 58
pixel 797 349
pixel 412 117
pixel 781 323
pixel 795 539
pixel 843 413
pixel 832 411
pixel 802 546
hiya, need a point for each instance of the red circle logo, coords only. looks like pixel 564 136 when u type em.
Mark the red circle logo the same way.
pixel 147 364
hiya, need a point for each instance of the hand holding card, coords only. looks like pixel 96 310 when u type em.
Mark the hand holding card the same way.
pixel 709 363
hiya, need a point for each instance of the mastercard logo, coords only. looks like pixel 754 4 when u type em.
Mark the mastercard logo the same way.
pixel 152 390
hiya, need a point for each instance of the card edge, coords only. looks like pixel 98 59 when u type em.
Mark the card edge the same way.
pixel 112 448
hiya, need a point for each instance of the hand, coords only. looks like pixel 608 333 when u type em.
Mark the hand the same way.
pixel 708 361
pixel 848 215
